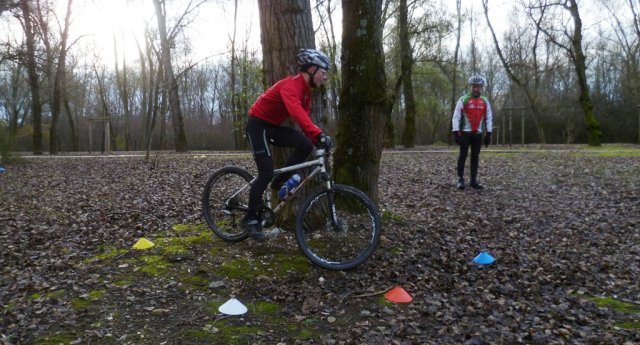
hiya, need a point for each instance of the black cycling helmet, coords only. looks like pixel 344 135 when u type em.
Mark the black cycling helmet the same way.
pixel 477 80
pixel 312 57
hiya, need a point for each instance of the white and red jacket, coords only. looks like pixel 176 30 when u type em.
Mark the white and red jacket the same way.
pixel 472 114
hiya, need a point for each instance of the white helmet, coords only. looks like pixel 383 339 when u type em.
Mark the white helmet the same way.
pixel 312 57
pixel 477 80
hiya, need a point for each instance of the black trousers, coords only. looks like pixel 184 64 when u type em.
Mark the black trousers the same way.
pixel 261 134
pixel 473 140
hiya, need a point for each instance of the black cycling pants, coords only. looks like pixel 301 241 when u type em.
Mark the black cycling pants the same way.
pixel 475 141
pixel 261 134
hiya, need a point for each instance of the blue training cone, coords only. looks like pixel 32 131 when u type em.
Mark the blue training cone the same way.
pixel 484 258
pixel 2 169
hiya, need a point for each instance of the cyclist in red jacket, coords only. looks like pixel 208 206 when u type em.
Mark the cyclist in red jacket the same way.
pixel 288 98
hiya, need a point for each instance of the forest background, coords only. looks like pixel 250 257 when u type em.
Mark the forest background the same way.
pixel 114 77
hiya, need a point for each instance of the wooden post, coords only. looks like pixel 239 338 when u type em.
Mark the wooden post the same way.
pixel 504 126
pixel 107 132
pixel 107 137
pixel 510 128
pixel 522 128
pixel 510 111
pixel 90 125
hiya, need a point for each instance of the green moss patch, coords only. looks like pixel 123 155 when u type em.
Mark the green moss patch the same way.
pixel 85 301
pixel 617 305
pixel 57 339
pixel 264 308
pixel 632 325
pixel 55 294
pixel 109 254
pixel 154 265
pixel 390 216
pixel 277 265
pixel 225 332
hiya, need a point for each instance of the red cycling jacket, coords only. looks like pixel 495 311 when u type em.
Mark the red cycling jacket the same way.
pixel 289 97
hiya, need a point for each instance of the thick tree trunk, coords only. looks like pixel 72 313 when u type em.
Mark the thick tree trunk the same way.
pixel 593 126
pixel 32 72
pixel 285 27
pixel 75 139
pixel 171 83
pixel 454 69
pixel 406 67
pixel 59 83
pixel 363 101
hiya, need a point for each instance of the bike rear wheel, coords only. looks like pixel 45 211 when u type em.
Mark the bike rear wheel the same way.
pixel 339 228
pixel 224 202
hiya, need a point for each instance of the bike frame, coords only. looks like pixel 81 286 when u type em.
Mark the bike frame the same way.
pixel 320 168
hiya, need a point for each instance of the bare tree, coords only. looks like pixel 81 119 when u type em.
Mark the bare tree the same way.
pixel 170 82
pixel 59 81
pixel 32 72
pixel 406 66
pixel 577 56
pixel 325 13
pixel 364 100
pixel 530 93
pixel 123 91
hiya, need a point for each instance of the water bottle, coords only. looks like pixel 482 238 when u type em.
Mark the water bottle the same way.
pixel 288 186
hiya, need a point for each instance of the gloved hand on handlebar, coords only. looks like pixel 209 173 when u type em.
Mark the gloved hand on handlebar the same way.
pixel 324 141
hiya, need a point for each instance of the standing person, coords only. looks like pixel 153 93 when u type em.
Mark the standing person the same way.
pixel 471 117
pixel 288 98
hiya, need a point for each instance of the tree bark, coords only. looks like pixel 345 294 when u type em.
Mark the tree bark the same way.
pixel 363 101
pixel 285 28
pixel 123 92
pixel 454 69
pixel 579 59
pixel 32 72
pixel 406 67
pixel 171 83
pixel 59 83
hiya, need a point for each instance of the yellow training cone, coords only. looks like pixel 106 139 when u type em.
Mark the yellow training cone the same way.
pixel 143 243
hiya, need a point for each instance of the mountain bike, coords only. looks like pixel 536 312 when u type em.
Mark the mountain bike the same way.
pixel 337 226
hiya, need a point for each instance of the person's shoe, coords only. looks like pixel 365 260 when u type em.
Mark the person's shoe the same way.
pixel 475 185
pixel 254 230
pixel 460 184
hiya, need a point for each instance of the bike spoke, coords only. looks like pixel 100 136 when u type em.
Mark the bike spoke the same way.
pixel 339 236
pixel 225 203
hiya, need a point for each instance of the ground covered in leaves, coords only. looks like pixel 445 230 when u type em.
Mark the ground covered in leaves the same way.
pixel 563 224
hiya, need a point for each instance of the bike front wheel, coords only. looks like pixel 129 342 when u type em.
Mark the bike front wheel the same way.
pixel 338 228
pixel 225 201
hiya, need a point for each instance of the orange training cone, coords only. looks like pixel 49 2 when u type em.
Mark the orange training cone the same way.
pixel 398 295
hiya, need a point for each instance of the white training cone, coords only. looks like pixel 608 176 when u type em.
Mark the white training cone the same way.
pixel 233 307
